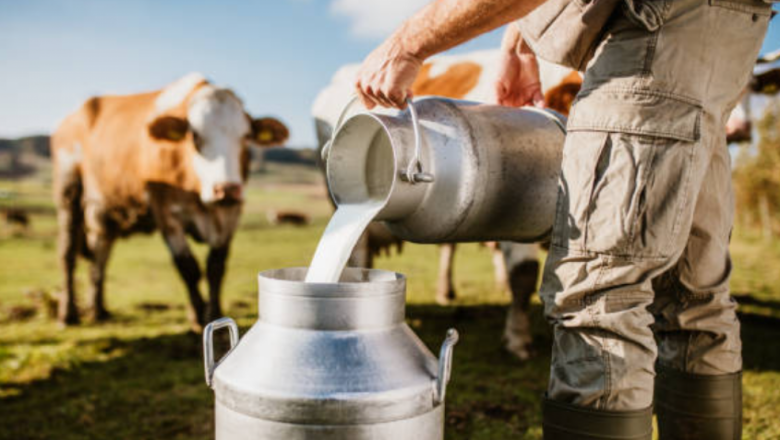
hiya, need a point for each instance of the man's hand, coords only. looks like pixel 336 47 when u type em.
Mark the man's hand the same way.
pixel 518 81
pixel 386 76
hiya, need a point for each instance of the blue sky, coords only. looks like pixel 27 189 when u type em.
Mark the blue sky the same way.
pixel 276 54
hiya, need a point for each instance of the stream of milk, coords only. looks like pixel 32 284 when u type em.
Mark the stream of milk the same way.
pixel 343 232
pixel 365 197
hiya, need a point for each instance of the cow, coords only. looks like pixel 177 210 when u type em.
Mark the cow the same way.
pixel 765 81
pixel 172 160
pixel 287 218
pixel 17 217
pixel 471 77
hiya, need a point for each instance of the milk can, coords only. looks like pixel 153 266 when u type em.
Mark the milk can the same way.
pixel 328 361
pixel 451 171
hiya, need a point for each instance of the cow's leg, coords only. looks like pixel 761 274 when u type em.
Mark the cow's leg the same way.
pixel 523 273
pixel 189 271
pixel 100 245
pixel 445 292
pixel 215 272
pixel 361 253
pixel 499 266
pixel 69 220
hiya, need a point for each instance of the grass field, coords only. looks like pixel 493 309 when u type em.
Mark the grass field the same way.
pixel 141 376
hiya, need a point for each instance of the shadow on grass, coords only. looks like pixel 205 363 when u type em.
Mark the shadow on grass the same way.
pixel 750 300
pixel 149 388
pixel 154 388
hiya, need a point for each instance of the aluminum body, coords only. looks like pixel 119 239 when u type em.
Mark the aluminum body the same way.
pixel 329 361
pixel 486 172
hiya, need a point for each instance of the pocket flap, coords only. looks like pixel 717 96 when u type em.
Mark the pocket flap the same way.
pixel 749 6
pixel 636 112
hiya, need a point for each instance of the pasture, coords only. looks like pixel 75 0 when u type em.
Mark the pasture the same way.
pixel 141 375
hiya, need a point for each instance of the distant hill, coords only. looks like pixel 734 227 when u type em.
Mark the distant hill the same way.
pixel 302 156
pixel 37 145
pixel 21 157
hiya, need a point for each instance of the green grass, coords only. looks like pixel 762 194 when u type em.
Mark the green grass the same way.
pixel 141 376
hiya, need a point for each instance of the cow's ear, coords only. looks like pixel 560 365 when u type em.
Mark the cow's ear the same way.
pixel 267 132
pixel 169 128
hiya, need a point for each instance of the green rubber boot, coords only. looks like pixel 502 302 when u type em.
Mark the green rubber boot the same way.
pixel 693 406
pixel 563 421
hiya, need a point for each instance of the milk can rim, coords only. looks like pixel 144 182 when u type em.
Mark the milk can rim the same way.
pixel 377 118
pixel 268 281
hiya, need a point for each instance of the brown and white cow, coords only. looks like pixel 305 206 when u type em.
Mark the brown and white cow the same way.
pixel 470 76
pixel 173 160
pixel 765 81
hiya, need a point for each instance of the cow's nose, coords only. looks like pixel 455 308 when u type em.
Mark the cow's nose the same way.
pixel 228 192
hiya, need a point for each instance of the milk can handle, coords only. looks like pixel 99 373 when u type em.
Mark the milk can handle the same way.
pixel 414 172
pixel 445 364
pixel 208 345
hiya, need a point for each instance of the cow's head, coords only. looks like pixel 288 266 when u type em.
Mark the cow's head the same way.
pixel 212 125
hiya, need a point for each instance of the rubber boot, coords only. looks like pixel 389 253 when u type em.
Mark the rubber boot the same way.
pixel 694 406
pixel 563 421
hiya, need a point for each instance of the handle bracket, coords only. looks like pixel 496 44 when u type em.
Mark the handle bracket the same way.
pixel 445 364
pixel 208 345
pixel 414 172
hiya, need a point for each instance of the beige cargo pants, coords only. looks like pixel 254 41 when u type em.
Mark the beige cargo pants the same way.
pixel 639 265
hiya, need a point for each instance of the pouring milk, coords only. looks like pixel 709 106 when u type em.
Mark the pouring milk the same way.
pixel 343 231
pixel 496 175
pixel 353 216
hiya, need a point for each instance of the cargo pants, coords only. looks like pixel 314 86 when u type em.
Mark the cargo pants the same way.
pixel 638 269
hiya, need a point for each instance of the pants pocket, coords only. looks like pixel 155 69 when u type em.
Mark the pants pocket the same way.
pixel 626 185
pixel 759 7
pixel 640 187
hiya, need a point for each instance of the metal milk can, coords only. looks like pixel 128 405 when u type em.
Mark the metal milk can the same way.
pixel 328 361
pixel 451 171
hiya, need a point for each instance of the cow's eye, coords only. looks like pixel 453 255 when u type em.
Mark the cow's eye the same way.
pixel 197 139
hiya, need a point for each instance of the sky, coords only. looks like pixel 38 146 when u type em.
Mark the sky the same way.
pixel 276 54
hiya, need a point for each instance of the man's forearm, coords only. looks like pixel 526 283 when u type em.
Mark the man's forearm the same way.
pixel 387 74
pixel 444 24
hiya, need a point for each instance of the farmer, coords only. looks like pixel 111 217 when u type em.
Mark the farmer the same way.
pixel 636 281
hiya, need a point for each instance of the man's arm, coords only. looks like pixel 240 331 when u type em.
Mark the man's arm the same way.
pixel 387 74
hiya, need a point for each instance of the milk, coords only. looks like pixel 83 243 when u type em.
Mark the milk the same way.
pixel 371 181
pixel 343 232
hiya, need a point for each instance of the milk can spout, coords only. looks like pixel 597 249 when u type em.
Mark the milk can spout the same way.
pixel 414 171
